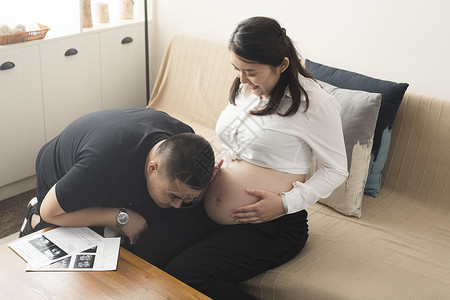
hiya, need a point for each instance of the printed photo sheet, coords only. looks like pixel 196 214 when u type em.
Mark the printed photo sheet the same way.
pixel 40 250
pixel 102 257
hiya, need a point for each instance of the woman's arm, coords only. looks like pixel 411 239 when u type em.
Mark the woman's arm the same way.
pixel 51 212
pixel 325 137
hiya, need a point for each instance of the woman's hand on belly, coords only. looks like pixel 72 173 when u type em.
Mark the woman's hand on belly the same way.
pixel 269 207
pixel 245 193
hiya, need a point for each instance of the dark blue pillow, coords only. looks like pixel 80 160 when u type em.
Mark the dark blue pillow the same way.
pixel 392 94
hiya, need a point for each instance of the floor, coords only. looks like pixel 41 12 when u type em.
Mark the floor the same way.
pixel 13 211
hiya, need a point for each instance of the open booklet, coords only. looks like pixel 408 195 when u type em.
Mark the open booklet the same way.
pixel 68 249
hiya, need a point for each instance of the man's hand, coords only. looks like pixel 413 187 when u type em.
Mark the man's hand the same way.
pixel 217 169
pixel 269 207
pixel 135 226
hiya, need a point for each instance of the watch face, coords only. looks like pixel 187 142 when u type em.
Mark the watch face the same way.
pixel 122 218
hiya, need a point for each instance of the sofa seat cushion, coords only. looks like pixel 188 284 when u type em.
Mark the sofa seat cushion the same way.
pixel 345 258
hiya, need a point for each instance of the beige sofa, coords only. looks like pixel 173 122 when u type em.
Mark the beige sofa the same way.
pixel 398 249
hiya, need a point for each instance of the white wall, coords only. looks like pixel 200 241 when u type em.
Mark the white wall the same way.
pixel 397 40
pixel 63 17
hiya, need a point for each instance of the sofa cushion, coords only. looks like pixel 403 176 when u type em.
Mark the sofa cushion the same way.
pixel 392 95
pixel 359 112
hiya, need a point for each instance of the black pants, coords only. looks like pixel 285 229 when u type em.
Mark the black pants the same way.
pixel 214 258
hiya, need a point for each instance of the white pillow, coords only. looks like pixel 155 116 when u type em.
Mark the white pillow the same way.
pixel 359 113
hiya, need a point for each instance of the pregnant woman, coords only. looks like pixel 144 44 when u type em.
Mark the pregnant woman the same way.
pixel 276 119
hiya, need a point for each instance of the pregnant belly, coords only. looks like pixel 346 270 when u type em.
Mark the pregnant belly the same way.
pixel 228 190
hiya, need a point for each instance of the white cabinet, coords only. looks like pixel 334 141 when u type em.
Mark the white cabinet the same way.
pixel 90 72
pixel 123 67
pixel 70 80
pixel 55 81
pixel 21 113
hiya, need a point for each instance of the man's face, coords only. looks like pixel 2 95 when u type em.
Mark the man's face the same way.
pixel 170 194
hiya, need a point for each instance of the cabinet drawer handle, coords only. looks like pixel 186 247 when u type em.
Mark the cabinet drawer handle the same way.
pixel 127 40
pixel 71 52
pixel 7 65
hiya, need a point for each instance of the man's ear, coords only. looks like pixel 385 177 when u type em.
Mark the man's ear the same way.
pixel 152 166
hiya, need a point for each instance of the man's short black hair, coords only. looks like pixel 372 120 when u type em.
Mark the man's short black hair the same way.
pixel 189 158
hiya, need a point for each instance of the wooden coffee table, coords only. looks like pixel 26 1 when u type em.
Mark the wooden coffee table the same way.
pixel 134 279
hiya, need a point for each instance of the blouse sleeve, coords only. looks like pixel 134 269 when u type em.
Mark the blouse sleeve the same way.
pixel 325 137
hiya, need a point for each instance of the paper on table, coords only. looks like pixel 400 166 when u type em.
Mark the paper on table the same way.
pixel 99 258
pixel 42 249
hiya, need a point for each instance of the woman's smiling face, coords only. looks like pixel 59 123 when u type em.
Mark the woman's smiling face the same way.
pixel 260 78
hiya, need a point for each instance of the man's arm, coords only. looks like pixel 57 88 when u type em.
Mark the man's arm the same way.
pixel 51 212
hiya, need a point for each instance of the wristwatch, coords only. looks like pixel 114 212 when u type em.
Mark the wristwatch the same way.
pixel 122 217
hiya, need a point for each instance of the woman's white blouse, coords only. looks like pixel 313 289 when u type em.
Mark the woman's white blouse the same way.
pixel 287 144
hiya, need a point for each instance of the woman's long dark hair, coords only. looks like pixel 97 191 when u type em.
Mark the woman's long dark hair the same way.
pixel 262 40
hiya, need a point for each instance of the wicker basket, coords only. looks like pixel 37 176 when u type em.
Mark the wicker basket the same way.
pixel 18 37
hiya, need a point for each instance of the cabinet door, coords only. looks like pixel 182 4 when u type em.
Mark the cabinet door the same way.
pixel 123 67
pixel 70 80
pixel 21 115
